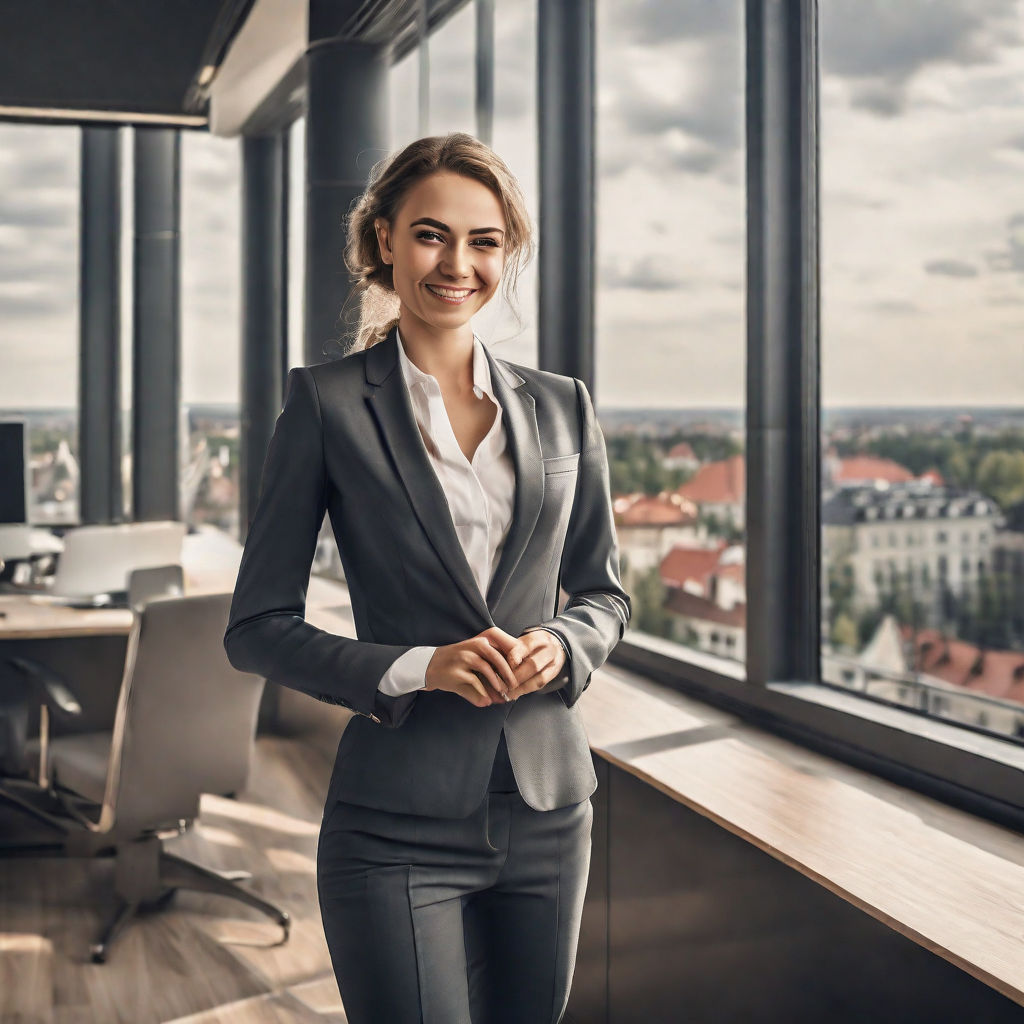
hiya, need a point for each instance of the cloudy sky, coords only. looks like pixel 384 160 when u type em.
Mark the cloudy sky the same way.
pixel 922 156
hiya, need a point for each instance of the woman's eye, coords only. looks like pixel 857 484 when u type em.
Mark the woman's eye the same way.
pixel 433 234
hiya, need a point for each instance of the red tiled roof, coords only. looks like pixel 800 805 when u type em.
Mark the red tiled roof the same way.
pixel 995 673
pixel 693 606
pixel 683 450
pixel 732 571
pixel 933 476
pixel 683 563
pixel 661 510
pixel 719 482
pixel 870 467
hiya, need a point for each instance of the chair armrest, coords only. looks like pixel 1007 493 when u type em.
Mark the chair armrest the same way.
pixel 52 689
pixel 50 686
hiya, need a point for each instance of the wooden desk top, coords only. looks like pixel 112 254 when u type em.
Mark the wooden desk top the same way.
pixel 951 882
pixel 26 619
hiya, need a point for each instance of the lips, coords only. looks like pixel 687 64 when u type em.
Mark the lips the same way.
pixel 453 297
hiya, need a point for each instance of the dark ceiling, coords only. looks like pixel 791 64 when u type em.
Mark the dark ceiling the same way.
pixel 144 56
pixel 139 56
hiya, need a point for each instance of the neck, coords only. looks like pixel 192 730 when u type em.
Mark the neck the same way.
pixel 445 354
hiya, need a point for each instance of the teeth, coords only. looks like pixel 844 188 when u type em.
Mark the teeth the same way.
pixel 448 292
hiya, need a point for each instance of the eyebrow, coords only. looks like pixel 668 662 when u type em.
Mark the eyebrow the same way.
pixel 444 227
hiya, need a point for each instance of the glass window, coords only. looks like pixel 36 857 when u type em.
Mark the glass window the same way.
pixel 671 311
pixel 512 332
pixel 452 60
pixel 210 327
pixel 39 259
pixel 922 250
pixel 403 98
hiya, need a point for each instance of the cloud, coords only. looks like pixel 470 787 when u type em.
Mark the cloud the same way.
pixel 951 268
pixel 881 45
pixel 679 108
pixel 646 274
pixel 657 22
pixel 1012 257
pixel 898 307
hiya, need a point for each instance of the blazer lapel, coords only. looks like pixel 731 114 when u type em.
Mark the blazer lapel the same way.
pixel 388 398
pixel 520 419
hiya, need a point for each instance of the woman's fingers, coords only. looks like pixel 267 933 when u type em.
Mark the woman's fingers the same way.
pixel 543 665
pixel 494 666
pixel 477 686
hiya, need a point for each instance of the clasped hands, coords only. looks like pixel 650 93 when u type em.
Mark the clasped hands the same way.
pixel 493 665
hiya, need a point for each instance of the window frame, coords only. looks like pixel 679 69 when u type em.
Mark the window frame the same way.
pixel 782 689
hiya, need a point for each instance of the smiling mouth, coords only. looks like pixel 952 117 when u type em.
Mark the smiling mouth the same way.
pixel 452 296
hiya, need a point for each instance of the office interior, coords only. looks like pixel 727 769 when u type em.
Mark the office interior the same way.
pixel 777 241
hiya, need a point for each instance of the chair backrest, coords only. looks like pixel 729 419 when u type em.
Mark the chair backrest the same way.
pixel 156 581
pixel 186 718
pixel 15 541
pixel 98 558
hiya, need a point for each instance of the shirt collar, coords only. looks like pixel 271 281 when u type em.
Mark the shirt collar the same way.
pixel 481 369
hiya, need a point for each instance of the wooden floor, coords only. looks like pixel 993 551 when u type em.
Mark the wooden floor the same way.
pixel 203 959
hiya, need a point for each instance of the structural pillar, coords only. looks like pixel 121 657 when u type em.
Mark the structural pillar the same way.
pixel 264 349
pixel 565 113
pixel 783 498
pixel 346 134
pixel 156 333
pixel 101 498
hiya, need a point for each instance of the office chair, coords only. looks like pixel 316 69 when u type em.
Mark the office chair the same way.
pixel 155 581
pixel 185 725
pixel 32 680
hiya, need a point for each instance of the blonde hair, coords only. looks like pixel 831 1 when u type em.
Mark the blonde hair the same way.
pixel 390 180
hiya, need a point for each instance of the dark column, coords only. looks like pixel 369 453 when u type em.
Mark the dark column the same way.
pixel 346 133
pixel 99 370
pixel 485 70
pixel 156 334
pixel 264 306
pixel 565 111
pixel 782 499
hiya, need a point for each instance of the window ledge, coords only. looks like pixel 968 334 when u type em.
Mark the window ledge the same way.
pixel 944 878
pixel 927 727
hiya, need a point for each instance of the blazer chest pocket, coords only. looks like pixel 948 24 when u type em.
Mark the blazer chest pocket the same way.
pixel 561 464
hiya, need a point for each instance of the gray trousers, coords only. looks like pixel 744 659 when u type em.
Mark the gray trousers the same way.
pixel 469 920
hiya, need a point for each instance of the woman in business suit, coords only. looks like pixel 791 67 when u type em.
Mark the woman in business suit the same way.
pixel 438 905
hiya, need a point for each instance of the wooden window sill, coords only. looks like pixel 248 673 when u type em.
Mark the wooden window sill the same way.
pixel 952 882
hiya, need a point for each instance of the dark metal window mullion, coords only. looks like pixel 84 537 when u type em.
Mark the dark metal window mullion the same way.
pixel 783 388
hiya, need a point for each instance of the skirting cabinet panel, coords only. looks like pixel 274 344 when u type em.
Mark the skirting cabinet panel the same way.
pixel 686 922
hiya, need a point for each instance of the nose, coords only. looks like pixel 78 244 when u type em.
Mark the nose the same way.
pixel 457 265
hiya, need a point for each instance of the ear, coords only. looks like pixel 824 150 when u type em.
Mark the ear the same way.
pixel 383 239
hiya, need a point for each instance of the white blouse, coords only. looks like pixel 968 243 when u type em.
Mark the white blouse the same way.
pixel 480 492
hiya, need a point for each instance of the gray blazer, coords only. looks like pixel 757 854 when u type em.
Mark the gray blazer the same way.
pixel 346 442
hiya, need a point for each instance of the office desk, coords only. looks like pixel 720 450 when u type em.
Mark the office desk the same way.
pixel 87 646
pixel 22 618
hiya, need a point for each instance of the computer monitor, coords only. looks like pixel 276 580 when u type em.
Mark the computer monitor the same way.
pixel 13 471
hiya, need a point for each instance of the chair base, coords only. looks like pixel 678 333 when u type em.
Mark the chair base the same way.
pixel 146 876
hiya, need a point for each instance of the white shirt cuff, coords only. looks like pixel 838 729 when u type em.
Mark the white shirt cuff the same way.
pixel 407 672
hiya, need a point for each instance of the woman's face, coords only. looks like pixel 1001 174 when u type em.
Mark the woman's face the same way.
pixel 446 248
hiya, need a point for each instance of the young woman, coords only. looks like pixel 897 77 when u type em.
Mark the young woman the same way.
pixel 463 491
